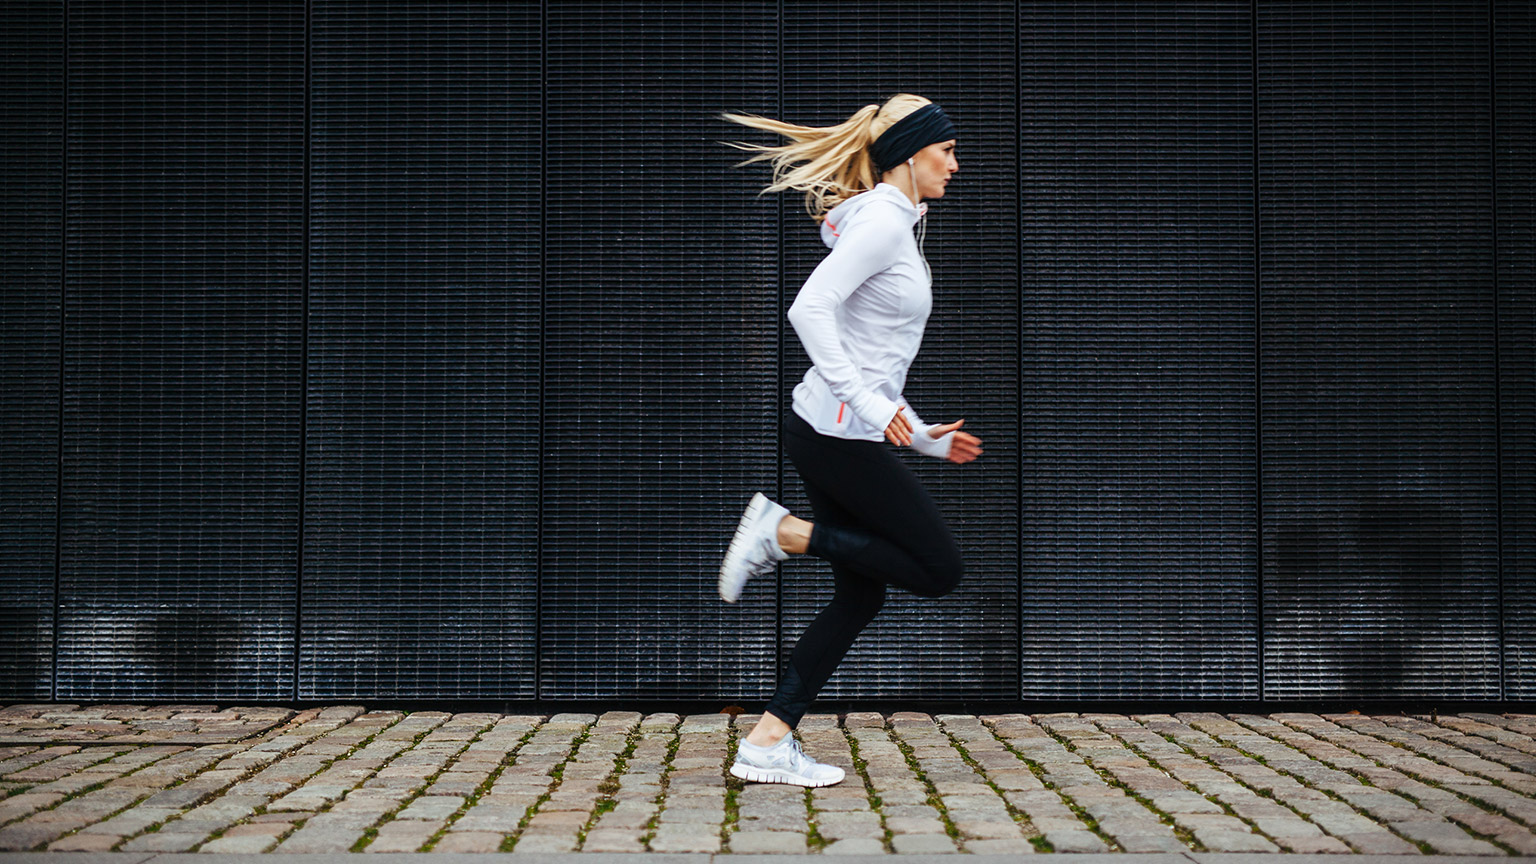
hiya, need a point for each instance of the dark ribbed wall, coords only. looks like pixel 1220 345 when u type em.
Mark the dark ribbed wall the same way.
pixel 1138 488
pixel 1377 360
pixel 183 298
pixel 372 349
pixel 422 423
pixel 660 317
pixel 31 234
pixel 1514 194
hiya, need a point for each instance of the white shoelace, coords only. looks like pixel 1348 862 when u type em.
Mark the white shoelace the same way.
pixel 797 759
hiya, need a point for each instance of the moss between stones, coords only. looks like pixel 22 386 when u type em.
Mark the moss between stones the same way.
pixel 483 788
pixel 934 800
pixel 1089 823
pixel 862 767
pixel 262 808
pixel 666 774
pixel 733 787
pixel 558 772
pixel 610 785
pixel 1184 835
pixel 1422 846
pixel 373 831
pixel 1032 834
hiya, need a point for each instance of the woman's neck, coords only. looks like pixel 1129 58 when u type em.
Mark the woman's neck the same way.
pixel 901 178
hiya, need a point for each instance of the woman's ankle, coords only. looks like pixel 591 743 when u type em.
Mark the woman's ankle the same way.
pixel 794 534
pixel 765 740
pixel 768 732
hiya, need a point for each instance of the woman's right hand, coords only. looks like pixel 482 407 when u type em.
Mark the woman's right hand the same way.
pixel 900 430
pixel 964 448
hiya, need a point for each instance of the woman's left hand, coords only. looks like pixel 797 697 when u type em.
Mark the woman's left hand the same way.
pixel 964 448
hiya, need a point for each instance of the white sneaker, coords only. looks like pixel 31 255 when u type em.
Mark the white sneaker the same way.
pixel 784 762
pixel 755 549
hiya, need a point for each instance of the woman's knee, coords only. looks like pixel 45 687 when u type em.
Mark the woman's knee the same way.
pixel 944 574
pixel 862 605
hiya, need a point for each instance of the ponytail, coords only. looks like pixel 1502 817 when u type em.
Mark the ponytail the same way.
pixel 837 161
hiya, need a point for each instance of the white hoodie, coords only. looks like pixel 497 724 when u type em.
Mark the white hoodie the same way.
pixel 860 316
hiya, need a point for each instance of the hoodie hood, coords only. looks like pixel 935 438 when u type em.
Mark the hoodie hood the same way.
pixel 848 209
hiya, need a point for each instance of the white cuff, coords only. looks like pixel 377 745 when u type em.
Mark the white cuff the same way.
pixel 936 447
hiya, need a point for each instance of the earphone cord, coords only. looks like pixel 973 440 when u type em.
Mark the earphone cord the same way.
pixel 922 221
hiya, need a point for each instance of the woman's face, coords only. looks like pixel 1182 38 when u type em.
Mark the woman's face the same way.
pixel 934 164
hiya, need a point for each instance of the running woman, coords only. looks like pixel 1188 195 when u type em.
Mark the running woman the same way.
pixel 860 316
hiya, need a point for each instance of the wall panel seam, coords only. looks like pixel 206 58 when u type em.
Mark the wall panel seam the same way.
pixel 1258 351
pixel 58 484
pixel 1018 354
pixel 1498 402
pixel 298 575
pixel 538 530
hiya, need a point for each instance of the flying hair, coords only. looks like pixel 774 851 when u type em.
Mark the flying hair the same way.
pixel 836 159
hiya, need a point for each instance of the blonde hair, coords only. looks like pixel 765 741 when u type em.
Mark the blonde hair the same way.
pixel 837 162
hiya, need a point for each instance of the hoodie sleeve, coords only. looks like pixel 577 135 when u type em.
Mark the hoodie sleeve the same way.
pixel 936 447
pixel 865 248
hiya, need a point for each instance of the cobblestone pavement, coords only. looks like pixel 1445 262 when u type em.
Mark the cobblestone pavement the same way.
pixel 343 778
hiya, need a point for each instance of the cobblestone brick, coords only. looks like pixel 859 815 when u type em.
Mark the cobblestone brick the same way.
pixel 70 762
pixel 432 807
pixel 468 841
pixel 84 843
pixel 17 806
pixel 243 844
pixel 563 839
pixel 987 830
pixel 404 836
pixel 1000 846
pixel 1075 840
pixel 686 837
pixel 1379 841
pixel 1446 838
pixel 28 757
pixel 613 840
pixel 163 841
pixel 922 844
pixel 923 824
pixel 842 825
pixel 784 842
pixel 628 814
pixel 854 846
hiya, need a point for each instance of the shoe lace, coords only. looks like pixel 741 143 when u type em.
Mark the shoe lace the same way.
pixel 797 757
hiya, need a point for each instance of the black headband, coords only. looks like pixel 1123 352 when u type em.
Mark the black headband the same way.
pixel 927 125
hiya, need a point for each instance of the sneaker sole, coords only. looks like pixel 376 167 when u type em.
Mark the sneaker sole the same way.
pixel 731 568
pixel 756 776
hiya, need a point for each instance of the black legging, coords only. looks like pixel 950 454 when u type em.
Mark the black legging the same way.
pixel 877 526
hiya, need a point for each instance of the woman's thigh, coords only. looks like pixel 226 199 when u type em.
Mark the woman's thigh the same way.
pixel 854 592
pixel 874 491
